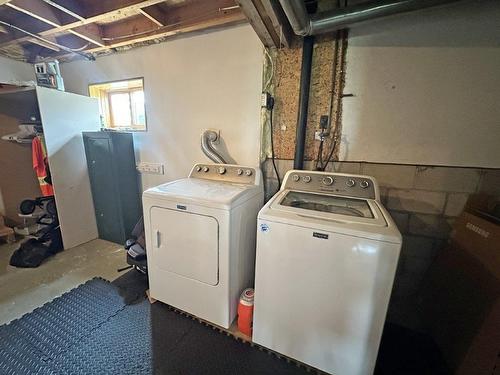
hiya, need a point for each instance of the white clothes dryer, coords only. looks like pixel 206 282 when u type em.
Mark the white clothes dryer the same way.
pixel 200 238
pixel 327 253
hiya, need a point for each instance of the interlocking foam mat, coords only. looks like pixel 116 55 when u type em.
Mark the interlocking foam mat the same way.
pixel 92 330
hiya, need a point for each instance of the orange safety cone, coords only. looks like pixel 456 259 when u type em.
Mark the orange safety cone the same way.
pixel 245 312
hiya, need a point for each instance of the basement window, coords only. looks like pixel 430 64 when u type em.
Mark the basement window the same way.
pixel 121 104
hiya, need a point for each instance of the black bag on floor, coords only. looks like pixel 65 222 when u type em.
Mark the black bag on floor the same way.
pixel 34 251
pixel 46 242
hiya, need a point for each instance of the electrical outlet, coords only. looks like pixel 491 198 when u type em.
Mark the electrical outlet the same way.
pixel 324 129
pixel 266 101
pixel 151 168
pixel 263 99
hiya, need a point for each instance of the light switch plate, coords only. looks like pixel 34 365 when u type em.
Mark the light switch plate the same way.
pixel 151 168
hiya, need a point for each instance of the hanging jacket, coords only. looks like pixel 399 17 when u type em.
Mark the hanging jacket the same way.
pixel 40 165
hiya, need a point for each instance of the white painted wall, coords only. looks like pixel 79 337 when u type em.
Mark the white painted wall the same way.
pixel 12 71
pixel 211 80
pixel 427 88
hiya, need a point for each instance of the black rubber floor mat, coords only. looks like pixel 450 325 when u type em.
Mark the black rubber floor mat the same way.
pixel 91 330
pixel 28 344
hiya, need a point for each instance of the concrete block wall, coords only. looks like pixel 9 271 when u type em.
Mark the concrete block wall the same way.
pixel 423 201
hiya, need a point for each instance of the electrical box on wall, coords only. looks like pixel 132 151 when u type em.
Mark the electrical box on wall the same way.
pixel 267 101
pixel 324 128
pixel 151 168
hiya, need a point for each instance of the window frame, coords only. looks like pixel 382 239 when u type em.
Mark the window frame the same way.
pixel 112 127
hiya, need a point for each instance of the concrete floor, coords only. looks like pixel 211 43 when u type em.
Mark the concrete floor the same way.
pixel 24 289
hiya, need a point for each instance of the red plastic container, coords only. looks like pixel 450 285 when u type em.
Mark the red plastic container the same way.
pixel 245 312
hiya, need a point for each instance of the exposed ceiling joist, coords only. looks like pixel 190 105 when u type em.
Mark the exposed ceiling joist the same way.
pixel 155 14
pixel 64 9
pixel 15 36
pixel 180 19
pixel 267 37
pixel 279 21
pixel 53 28
pixel 45 12
pixel 126 29
pixel 50 46
pixel 268 21
pixel 108 13
pixel 91 33
pixel 37 9
pixel 113 14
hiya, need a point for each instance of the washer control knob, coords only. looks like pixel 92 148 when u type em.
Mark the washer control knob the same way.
pixel 306 178
pixel 327 181
pixel 239 171
pixel 248 172
pixel 295 177
pixel 350 182
pixel 221 170
pixel 198 168
pixel 364 184
pixel 205 169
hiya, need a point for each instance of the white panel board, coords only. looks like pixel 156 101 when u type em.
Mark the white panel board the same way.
pixel 64 117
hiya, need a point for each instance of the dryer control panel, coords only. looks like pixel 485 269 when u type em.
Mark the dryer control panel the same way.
pixel 334 183
pixel 227 173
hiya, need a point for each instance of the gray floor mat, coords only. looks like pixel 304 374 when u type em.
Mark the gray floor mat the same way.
pixel 91 330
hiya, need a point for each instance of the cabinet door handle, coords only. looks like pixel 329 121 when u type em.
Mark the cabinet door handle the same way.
pixel 158 238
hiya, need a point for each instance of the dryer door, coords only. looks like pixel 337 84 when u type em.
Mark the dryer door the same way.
pixel 186 244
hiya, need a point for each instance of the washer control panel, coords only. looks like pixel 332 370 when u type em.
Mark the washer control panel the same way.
pixel 225 172
pixel 334 183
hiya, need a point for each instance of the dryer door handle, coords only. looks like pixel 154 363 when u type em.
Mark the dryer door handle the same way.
pixel 158 238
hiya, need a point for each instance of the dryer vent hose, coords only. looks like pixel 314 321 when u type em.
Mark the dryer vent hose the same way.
pixel 207 139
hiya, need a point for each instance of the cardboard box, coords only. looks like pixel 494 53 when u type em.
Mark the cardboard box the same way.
pixel 460 297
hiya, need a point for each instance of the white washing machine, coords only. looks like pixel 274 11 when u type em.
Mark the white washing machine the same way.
pixel 327 252
pixel 200 237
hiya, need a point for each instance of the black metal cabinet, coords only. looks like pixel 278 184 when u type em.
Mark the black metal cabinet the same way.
pixel 114 183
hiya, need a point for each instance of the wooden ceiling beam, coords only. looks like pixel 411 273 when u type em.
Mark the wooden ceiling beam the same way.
pixel 260 24
pixel 15 36
pixel 116 13
pixel 155 14
pixel 40 9
pixel 45 44
pixel 78 16
pixel 115 27
pixel 43 11
pixel 91 33
pixel 191 13
pixel 181 19
pixel 37 9
pixel 279 21
pixel 268 21
pixel 127 28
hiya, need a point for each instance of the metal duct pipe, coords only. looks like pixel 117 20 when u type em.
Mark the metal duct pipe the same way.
pixel 303 24
pixel 207 139
pixel 305 83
